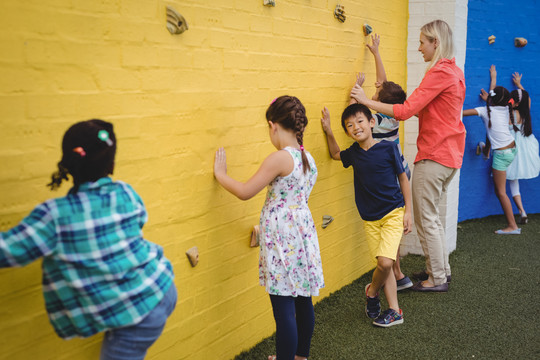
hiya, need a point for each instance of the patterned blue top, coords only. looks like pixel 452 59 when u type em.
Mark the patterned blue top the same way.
pixel 98 271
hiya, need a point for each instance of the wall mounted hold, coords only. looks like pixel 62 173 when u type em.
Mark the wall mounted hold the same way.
pixel 491 39
pixel 176 24
pixel 269 2
pixel 367 29
pixel 255 236
pixel 326 220
pixel 520 42
pixel 339 13
pixel 193 256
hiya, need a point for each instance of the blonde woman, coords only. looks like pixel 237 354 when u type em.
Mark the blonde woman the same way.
pixel 437 102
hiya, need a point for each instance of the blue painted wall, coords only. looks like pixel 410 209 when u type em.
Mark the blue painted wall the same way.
pixel 506 20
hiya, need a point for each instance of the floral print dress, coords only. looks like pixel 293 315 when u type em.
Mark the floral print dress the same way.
pixel 290 260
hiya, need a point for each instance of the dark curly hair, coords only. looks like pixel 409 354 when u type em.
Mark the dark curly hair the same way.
pixel 392 93
pixel 88 151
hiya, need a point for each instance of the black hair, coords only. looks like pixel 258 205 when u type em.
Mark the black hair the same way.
pixel 88 151
pixel 352 110
pixel 499 96
pixel 392 93
pixel 289 112
pixel 521 97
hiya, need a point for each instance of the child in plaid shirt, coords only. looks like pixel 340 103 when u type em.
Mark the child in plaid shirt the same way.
pixel 99 273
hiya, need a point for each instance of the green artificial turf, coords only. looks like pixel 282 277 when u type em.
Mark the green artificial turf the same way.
pixel 492 310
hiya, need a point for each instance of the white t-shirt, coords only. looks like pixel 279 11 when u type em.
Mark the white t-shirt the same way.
pixel 499 133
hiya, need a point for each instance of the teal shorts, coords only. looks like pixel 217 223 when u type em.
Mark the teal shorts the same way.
pixel 503 158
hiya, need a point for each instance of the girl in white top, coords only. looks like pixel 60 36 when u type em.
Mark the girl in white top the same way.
pixel 526 165
pixel 497 114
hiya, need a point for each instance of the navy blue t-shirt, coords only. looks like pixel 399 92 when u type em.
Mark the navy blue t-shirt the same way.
pixel 376 187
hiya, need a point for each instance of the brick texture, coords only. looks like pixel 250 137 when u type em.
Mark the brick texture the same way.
pixel 173 100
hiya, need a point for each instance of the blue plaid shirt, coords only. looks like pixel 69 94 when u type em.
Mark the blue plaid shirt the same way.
pixel 98 271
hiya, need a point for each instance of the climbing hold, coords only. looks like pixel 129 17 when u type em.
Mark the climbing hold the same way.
pixel 193 256
pixel 339 13
pixel 255 236
pixel 491 39
pixel 520 42
pixel 176 24
pixel 269 3
pixel 326 220
pixel 367 29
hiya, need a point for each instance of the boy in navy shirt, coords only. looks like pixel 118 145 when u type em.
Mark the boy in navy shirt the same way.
pixel 383 199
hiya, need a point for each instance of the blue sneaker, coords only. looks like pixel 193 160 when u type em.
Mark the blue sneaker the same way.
pixel 404 283
pixel 373 305
pixel 389 318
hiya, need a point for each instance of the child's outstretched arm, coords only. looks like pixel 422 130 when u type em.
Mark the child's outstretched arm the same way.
pixel 34 237
pixel 379 67
pixel 470 112
pixel 276 164
pixel 493 82
pixel 359 95
pixel 333 146
pixel 516 77
pixel 406 191
pixel 493 76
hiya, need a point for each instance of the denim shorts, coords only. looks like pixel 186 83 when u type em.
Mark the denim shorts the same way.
pixel 132 342
pixel 503 158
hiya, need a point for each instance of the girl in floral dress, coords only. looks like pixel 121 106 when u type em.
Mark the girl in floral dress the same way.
pixel 290 263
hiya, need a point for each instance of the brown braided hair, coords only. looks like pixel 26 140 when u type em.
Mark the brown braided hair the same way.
pixel 521 97
pixel 289 112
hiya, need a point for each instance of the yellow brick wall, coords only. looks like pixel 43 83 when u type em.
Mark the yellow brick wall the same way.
pixel 173 101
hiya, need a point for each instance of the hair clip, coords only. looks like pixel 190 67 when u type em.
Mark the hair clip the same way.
pixel 511 101
pixel 79 150
pixel 103 135
pixel 520 95
pixel 492 93
pixel 301 147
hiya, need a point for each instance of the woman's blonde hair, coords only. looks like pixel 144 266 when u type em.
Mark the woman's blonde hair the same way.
pixel 440 30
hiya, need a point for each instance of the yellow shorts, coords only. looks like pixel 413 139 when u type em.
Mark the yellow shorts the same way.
pixel 384 235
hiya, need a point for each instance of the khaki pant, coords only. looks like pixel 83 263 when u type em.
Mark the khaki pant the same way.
pixel 429 184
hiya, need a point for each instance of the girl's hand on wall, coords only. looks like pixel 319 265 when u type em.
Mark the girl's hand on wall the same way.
pixel 516 78
pixel 483 94
pixel 493 71
pixel 220 163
